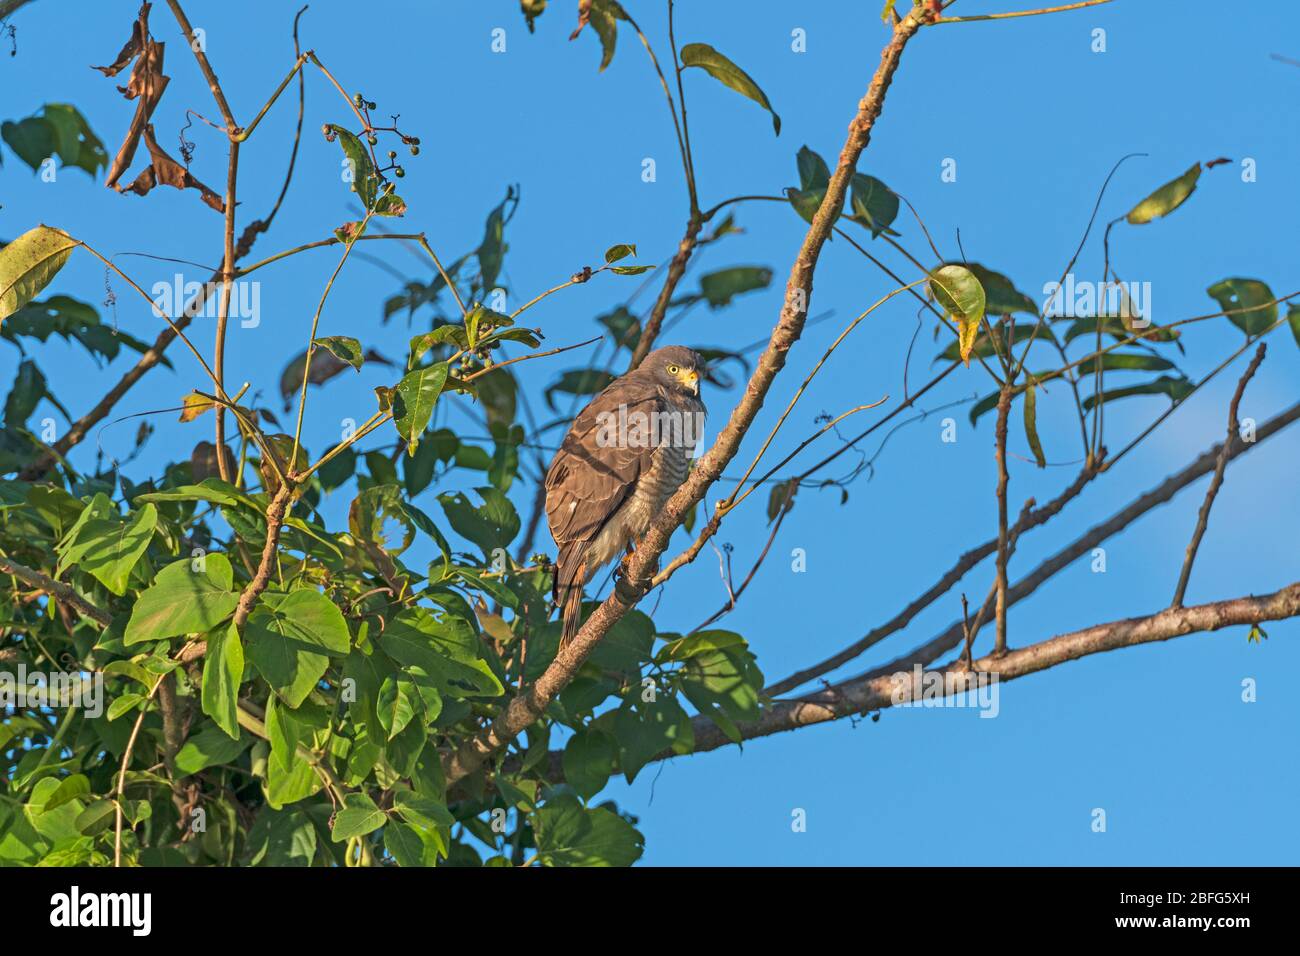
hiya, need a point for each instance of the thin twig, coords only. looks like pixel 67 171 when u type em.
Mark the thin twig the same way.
pixel 1203 519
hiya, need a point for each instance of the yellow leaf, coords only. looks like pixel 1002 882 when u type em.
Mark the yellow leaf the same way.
pixel 194 405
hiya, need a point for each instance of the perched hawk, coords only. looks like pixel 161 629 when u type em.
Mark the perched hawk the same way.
pixel 621 460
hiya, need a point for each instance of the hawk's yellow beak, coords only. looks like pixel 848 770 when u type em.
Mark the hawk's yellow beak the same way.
pixel 690 378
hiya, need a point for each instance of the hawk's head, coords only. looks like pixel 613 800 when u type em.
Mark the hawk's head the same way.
pixel 676 368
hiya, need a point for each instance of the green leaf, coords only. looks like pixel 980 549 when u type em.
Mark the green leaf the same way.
pixel 282 838
pixel 124 704
pixel 874 204
pixel 569 835
pixel 358 817
pixel 1250 295
pixel 345 348
pixel 290 637
pixel 492 525
pixel 184 601
pixel 1031 425
pixel 408 846
pixel 209 746
pixel 814 179
pixel 32 139
pixel 109 547
pixel 1125 361
pixel 722 69
pixel 620 251
pixel 1175 388
pixel 1000 293
pixel 445 647
pixel 701 642
pixel 724 685
pixel 589 759
pixel 69 789
pixel 422 811
pixel 720 287
pixel 648 728
pixel 29 263
pixel 962 297
pixel 414 399
pixel 603 16
pixel 1165 199
pixel 223 670
pixel 1293 317
pixel 365 181
pixel 397 704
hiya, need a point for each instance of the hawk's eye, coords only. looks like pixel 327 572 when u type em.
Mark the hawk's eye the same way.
pixel 673 370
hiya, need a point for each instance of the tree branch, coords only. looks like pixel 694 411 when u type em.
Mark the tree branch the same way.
pixel 57 590
pixel 877 691
pixel 1203 519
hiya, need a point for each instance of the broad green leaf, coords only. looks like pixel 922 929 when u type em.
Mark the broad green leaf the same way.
pixel 408 846
pixel 290 637
pixel 184 600
pixel 414 399
pixel 569 835
pixel 701 642
pixel 722 69
pixel 345 348
pixel 281 838
pixel 223 670
pixel 358 817
pixel 397 704
pixel 874 204
pixel 443 647
pixel 648 728
pixel 69 788
pixel 1293 318
pixel 620 251
pixel 725 686
pixel 29 263
pixel 109 547
pixel 421 810
pixel 492 525
pixel 1000 293
pixel 209 746
pixel 814 179
pixel 720 287
pixel 589 759
pixel 1165 199
pixel 1250 301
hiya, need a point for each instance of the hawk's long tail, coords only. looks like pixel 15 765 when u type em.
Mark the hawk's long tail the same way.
pixel 570 576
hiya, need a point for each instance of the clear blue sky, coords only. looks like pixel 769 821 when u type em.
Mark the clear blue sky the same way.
pixel 1157 736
